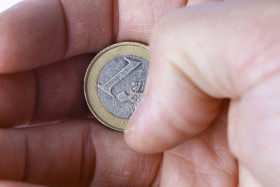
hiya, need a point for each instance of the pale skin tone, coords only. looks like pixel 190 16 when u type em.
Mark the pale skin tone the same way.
pixel 210 111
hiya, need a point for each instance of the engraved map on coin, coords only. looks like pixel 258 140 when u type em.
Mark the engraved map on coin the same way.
pixel 121 84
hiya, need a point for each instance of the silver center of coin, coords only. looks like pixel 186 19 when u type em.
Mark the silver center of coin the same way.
pixel 121 84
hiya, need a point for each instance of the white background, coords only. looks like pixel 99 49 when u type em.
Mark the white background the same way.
pixel 4 4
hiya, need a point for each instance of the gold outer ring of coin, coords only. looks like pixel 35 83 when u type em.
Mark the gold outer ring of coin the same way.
pixel 91 79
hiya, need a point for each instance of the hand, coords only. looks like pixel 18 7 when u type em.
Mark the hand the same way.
pixel 45 48
pixel 77 151
pixel 199 56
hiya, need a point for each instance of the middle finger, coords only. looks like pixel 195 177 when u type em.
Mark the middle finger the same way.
pixel 50 93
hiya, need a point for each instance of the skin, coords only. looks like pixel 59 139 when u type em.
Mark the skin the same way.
pixel 208 50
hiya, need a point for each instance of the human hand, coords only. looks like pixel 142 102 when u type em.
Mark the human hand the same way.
pixel 44 48
pixel 199 56
pixel 79 152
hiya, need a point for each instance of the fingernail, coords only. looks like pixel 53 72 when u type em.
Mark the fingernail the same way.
pixel 131 126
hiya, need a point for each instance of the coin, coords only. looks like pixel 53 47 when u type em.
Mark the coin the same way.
pixel 114 83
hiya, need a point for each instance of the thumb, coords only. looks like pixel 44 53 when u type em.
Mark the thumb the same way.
pixel 202 54
pixel 188 77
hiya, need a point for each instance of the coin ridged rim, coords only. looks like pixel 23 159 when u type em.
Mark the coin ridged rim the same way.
pixel 92 75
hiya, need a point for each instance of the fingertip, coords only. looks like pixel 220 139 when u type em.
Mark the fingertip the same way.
pixel 155 128
pixel 133 135
pixel 140 132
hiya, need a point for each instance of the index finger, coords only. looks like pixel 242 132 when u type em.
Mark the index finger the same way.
pixel 35 33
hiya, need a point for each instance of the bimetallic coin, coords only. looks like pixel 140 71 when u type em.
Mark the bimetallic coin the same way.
pixel 115 82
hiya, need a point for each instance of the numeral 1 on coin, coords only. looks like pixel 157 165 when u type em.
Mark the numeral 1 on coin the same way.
pixel 107 87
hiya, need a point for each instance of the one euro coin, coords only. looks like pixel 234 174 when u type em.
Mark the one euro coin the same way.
pixel 115 81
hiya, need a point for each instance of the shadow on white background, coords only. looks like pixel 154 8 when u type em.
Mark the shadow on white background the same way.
pixel 5 4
